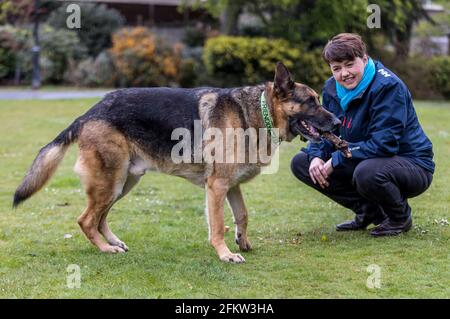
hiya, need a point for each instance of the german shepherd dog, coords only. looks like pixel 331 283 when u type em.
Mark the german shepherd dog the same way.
pixel 129 132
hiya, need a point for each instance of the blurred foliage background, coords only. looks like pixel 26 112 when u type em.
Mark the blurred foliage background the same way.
pixel 230 43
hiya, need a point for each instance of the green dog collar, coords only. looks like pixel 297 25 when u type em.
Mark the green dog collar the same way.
pixel 267 118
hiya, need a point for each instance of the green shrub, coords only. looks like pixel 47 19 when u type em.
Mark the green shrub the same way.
pixel 312 70
pixel 194 37
pixel 14 51
pixel 188 73
pixel 60 51
pixel 415 73
pixel 97 24
pixel 7 61
pixel 94 72
pixel 241 61
pixel 232 61
pixel 142 59
pixel 440 70
pixel 426 78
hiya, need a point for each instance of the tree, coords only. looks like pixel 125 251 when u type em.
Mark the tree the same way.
pixel 397 19
pixel 312 22
pixel 97 24
pixel 20 12
pixel 227 11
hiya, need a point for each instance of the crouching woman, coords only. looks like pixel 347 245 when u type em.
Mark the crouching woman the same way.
pixel 392 158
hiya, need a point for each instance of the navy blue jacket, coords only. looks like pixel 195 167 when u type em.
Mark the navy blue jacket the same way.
pixel 380 122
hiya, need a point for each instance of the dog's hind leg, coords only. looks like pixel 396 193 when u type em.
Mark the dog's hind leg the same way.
pixel 103 168
pixel 104 229
pixel 240 214
pixel 89 222
pixel 217 189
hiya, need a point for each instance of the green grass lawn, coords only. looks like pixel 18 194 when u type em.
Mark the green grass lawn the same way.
pixel 297 253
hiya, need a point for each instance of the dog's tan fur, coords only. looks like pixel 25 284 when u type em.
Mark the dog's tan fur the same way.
pixel 102 165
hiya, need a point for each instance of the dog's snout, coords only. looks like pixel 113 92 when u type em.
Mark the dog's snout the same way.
pixel 336 123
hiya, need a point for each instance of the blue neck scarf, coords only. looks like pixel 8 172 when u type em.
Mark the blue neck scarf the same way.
pixel 346 96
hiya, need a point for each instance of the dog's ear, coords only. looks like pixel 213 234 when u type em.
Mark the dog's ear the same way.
pixel 283 83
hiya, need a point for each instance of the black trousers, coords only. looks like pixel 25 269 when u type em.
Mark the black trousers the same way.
pixel 375 187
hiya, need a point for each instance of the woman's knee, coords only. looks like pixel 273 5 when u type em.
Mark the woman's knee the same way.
pixel 366 177
pixel 370 177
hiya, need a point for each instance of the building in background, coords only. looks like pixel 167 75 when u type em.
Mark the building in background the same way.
pixel 436 39
pixel 163 17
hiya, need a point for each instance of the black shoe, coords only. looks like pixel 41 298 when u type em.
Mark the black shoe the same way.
pixel 350 225
pixel 392 228
pixel 379 219
pixel 360 222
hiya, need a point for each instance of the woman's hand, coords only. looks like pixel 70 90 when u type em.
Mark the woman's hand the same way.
pixel 319 171
pixel 328 167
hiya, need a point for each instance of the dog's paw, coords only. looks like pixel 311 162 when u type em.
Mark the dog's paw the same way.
pixel 243 243
pixel 112 249
pixel 120 244
pixel 233 258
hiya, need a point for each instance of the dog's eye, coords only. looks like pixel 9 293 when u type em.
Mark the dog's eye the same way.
pixel 311 101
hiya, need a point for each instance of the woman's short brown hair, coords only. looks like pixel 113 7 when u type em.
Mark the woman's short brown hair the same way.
pixel 343 47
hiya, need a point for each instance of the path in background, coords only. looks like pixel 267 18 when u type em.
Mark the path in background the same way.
pixel 49 95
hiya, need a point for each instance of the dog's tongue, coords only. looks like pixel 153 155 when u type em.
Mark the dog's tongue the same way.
pixel 313 130
pixel 296 130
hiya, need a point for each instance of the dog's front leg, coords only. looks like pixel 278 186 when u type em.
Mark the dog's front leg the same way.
pixel 240 214
pixel 216 191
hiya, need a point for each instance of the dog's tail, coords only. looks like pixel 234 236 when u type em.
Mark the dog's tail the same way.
pixel 45 163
